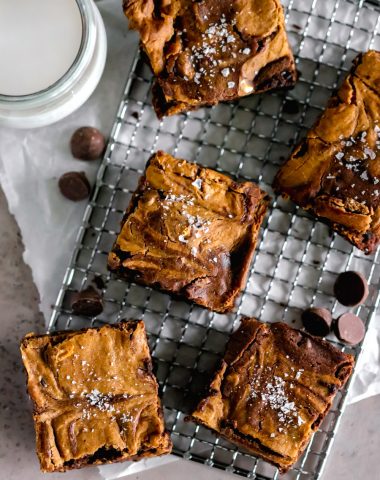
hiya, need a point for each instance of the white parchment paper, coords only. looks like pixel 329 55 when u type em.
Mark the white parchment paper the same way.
pixel 31 161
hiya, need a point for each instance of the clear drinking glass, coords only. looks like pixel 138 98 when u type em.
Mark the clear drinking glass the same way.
pixel 72 89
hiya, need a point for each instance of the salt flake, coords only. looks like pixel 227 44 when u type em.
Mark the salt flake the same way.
pixel 197 183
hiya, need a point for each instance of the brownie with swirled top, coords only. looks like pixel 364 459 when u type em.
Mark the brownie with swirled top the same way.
pixel 190 231
pixel 209 51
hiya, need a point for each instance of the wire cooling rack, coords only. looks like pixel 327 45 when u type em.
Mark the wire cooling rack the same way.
pixel 297 259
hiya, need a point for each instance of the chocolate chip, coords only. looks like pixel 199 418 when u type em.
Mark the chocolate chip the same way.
pixel 351 288
pixel 291 106
pixel 74 186
pixel 87 143
pixel 317 321
pixel 99 282
pixel 87 302
pixel 349 328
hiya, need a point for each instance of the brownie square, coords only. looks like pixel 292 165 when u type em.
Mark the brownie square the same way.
pixel 95 397
pixel 189 231
pixel 209 51
pixel 272 390
pixel 335 171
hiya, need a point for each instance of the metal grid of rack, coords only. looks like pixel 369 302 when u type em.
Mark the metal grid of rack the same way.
pixel 297 258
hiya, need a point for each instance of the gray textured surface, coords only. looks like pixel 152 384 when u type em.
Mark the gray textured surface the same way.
pixel 354 453
pixel 19 315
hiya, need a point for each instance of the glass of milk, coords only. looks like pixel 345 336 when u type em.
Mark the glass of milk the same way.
pixel 52 54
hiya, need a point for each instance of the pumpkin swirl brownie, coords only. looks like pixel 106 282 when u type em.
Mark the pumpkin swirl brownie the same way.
pixel 95 397
pixel 335 171
pixel 209 51
pixel 189 231
pixel 272 390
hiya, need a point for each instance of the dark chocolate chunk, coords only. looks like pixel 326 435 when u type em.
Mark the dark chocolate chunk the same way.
pixel 291 106
pixel 87 302
pixel 317 321
pixel 87 143
pixel 351 288
pixel 99 282
pixel 349 328
pixel 74 186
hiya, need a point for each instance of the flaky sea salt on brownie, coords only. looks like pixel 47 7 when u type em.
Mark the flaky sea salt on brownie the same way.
pixel 95 397
pixel 209 51
pixel 335 171
pixel 273 389
pixel 190 231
